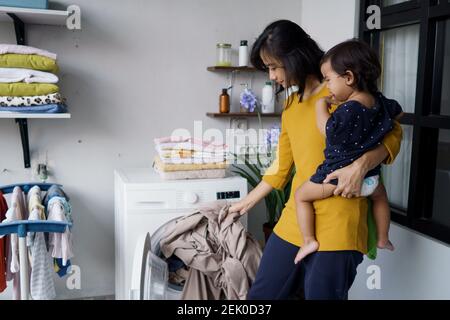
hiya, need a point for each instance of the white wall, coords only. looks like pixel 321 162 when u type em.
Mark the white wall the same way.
pixel 136 71
pixel 417 269
pixel 329 21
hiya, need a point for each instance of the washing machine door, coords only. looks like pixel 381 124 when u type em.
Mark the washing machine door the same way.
pixel 150 276
pixel 150 273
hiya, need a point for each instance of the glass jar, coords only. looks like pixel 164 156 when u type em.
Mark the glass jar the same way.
pixel 223 55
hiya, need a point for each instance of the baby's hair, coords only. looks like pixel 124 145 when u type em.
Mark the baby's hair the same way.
pixel 358 57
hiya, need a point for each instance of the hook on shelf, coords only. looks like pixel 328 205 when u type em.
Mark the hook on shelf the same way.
pixel 19 27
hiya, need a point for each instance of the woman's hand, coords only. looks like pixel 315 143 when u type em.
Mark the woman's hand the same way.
pixel 350 179
pixel 257 194
pixel 242 207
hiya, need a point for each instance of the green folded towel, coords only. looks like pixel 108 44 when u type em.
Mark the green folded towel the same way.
pixel 27 89
pixel 28 61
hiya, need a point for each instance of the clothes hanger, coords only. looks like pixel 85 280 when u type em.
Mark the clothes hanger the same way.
pixel 27 186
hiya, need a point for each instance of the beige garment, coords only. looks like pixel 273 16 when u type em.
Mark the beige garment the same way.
pixel 222 256
pixel 187 167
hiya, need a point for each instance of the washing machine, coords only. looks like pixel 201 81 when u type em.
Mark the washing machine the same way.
pixel 144 206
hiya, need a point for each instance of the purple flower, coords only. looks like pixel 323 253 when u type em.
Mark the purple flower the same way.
pixel 272 136
pixel 248 100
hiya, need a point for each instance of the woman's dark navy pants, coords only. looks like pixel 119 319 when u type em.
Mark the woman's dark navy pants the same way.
pixel 321 275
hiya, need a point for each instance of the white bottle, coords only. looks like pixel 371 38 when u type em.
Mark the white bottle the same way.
pixel 243 54
pixel 268 98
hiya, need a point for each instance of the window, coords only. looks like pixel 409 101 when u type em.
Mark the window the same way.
pixel 397 174
pixel 414 48
pixel 441 203
pixel 445 98
pixel 399 54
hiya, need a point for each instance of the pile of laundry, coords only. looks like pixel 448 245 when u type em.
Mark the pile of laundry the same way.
pixel 47 255
pixel 211 254
pixel 28 80
pixel 188 158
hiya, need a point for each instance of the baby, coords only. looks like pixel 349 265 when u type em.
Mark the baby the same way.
pixel 362 119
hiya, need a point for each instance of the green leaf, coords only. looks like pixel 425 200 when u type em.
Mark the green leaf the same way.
pixel 245 175
pixel 259 161
pixel 253 168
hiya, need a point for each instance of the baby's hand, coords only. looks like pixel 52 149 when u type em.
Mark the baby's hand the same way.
pixel 332 100
pixel 324 102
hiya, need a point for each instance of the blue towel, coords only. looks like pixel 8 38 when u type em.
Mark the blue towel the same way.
pixel 46 108
pixel 54 191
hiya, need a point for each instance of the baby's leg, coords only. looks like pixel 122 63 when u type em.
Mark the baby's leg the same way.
pixel 381 213
pixel 304 196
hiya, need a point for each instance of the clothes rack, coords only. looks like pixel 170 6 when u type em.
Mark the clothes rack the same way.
pixel 22 227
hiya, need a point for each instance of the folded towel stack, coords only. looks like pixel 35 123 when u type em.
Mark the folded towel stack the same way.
pixel 187 158
pixel 28 80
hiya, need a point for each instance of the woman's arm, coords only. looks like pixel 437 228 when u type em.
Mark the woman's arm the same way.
pixel 322 114
pixel 257 194
pixel 351 177
pixel 275 177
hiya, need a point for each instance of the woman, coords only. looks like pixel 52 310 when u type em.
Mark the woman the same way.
pixel 293 61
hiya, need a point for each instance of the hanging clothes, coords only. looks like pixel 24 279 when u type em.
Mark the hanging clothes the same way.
pixel 60 243
pixel 29 206
pixel 3 242
pixel 42 286
pixel 35 209
pixel 57 199
pixel 17 211
pixel 56 192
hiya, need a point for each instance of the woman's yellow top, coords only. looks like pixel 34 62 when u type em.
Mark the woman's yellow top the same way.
pixel 341 224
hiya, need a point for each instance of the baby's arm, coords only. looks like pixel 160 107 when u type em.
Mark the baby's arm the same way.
pixel 322 114
pixel 310 191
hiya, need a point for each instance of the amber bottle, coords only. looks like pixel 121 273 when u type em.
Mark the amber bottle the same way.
pixel 224 104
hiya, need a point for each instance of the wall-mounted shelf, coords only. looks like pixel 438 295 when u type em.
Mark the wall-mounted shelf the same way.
pixel 35 16
pixel 231 69
pixel 242 115
pixel 20 17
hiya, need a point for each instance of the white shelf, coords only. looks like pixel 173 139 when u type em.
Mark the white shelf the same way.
pixel 17 115
pixel 35 16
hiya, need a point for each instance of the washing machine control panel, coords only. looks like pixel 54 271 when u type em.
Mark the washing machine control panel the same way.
pixel 228 195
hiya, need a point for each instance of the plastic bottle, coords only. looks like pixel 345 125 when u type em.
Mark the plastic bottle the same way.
pixel 268 98
pixel 224 102
pixel 243 54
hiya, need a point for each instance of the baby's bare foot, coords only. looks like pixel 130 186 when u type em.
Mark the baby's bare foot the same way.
pixel 385 244
pixel 308 248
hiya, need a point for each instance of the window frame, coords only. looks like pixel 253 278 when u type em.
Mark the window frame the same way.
pixel 431 15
